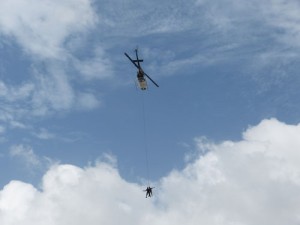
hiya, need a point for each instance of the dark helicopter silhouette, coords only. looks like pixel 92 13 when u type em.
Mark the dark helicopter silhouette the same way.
pixel 140 73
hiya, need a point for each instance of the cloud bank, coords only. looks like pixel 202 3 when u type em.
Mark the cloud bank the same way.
pixel 48 33
pixel 248 182
pixel 42 27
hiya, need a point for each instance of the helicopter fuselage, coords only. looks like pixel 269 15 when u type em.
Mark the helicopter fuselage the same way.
pixel 141 80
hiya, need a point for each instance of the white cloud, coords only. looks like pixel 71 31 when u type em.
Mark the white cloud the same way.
pixel 26 154
pixel 11 93
pixel 249 21
pixel 44 134
pixel 252 181
pixel 87 101
pixel 16 124
pixel 97 67
pixel 42 26
pixel 47 30
pixel 157 16
pixel 2 129
pixel 284 15
pixel 50 91
pixel 104 198
pixel 54 90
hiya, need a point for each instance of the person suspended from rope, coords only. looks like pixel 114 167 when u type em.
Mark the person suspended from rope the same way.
pixel 149 192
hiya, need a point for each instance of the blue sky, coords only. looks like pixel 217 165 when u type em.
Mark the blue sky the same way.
pixel 69 101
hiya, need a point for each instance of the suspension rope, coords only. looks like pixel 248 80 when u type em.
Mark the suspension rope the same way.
pixel 145 137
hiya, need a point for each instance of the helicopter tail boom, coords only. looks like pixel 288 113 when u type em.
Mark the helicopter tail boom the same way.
pixel 133 61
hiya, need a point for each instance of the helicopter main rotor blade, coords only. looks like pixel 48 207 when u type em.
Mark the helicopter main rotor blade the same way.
pixel 151 79
pixel 137 66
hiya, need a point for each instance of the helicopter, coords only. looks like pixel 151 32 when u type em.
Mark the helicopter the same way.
pixel 140 73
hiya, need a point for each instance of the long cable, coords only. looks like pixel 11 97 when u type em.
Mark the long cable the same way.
pixel 145 137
